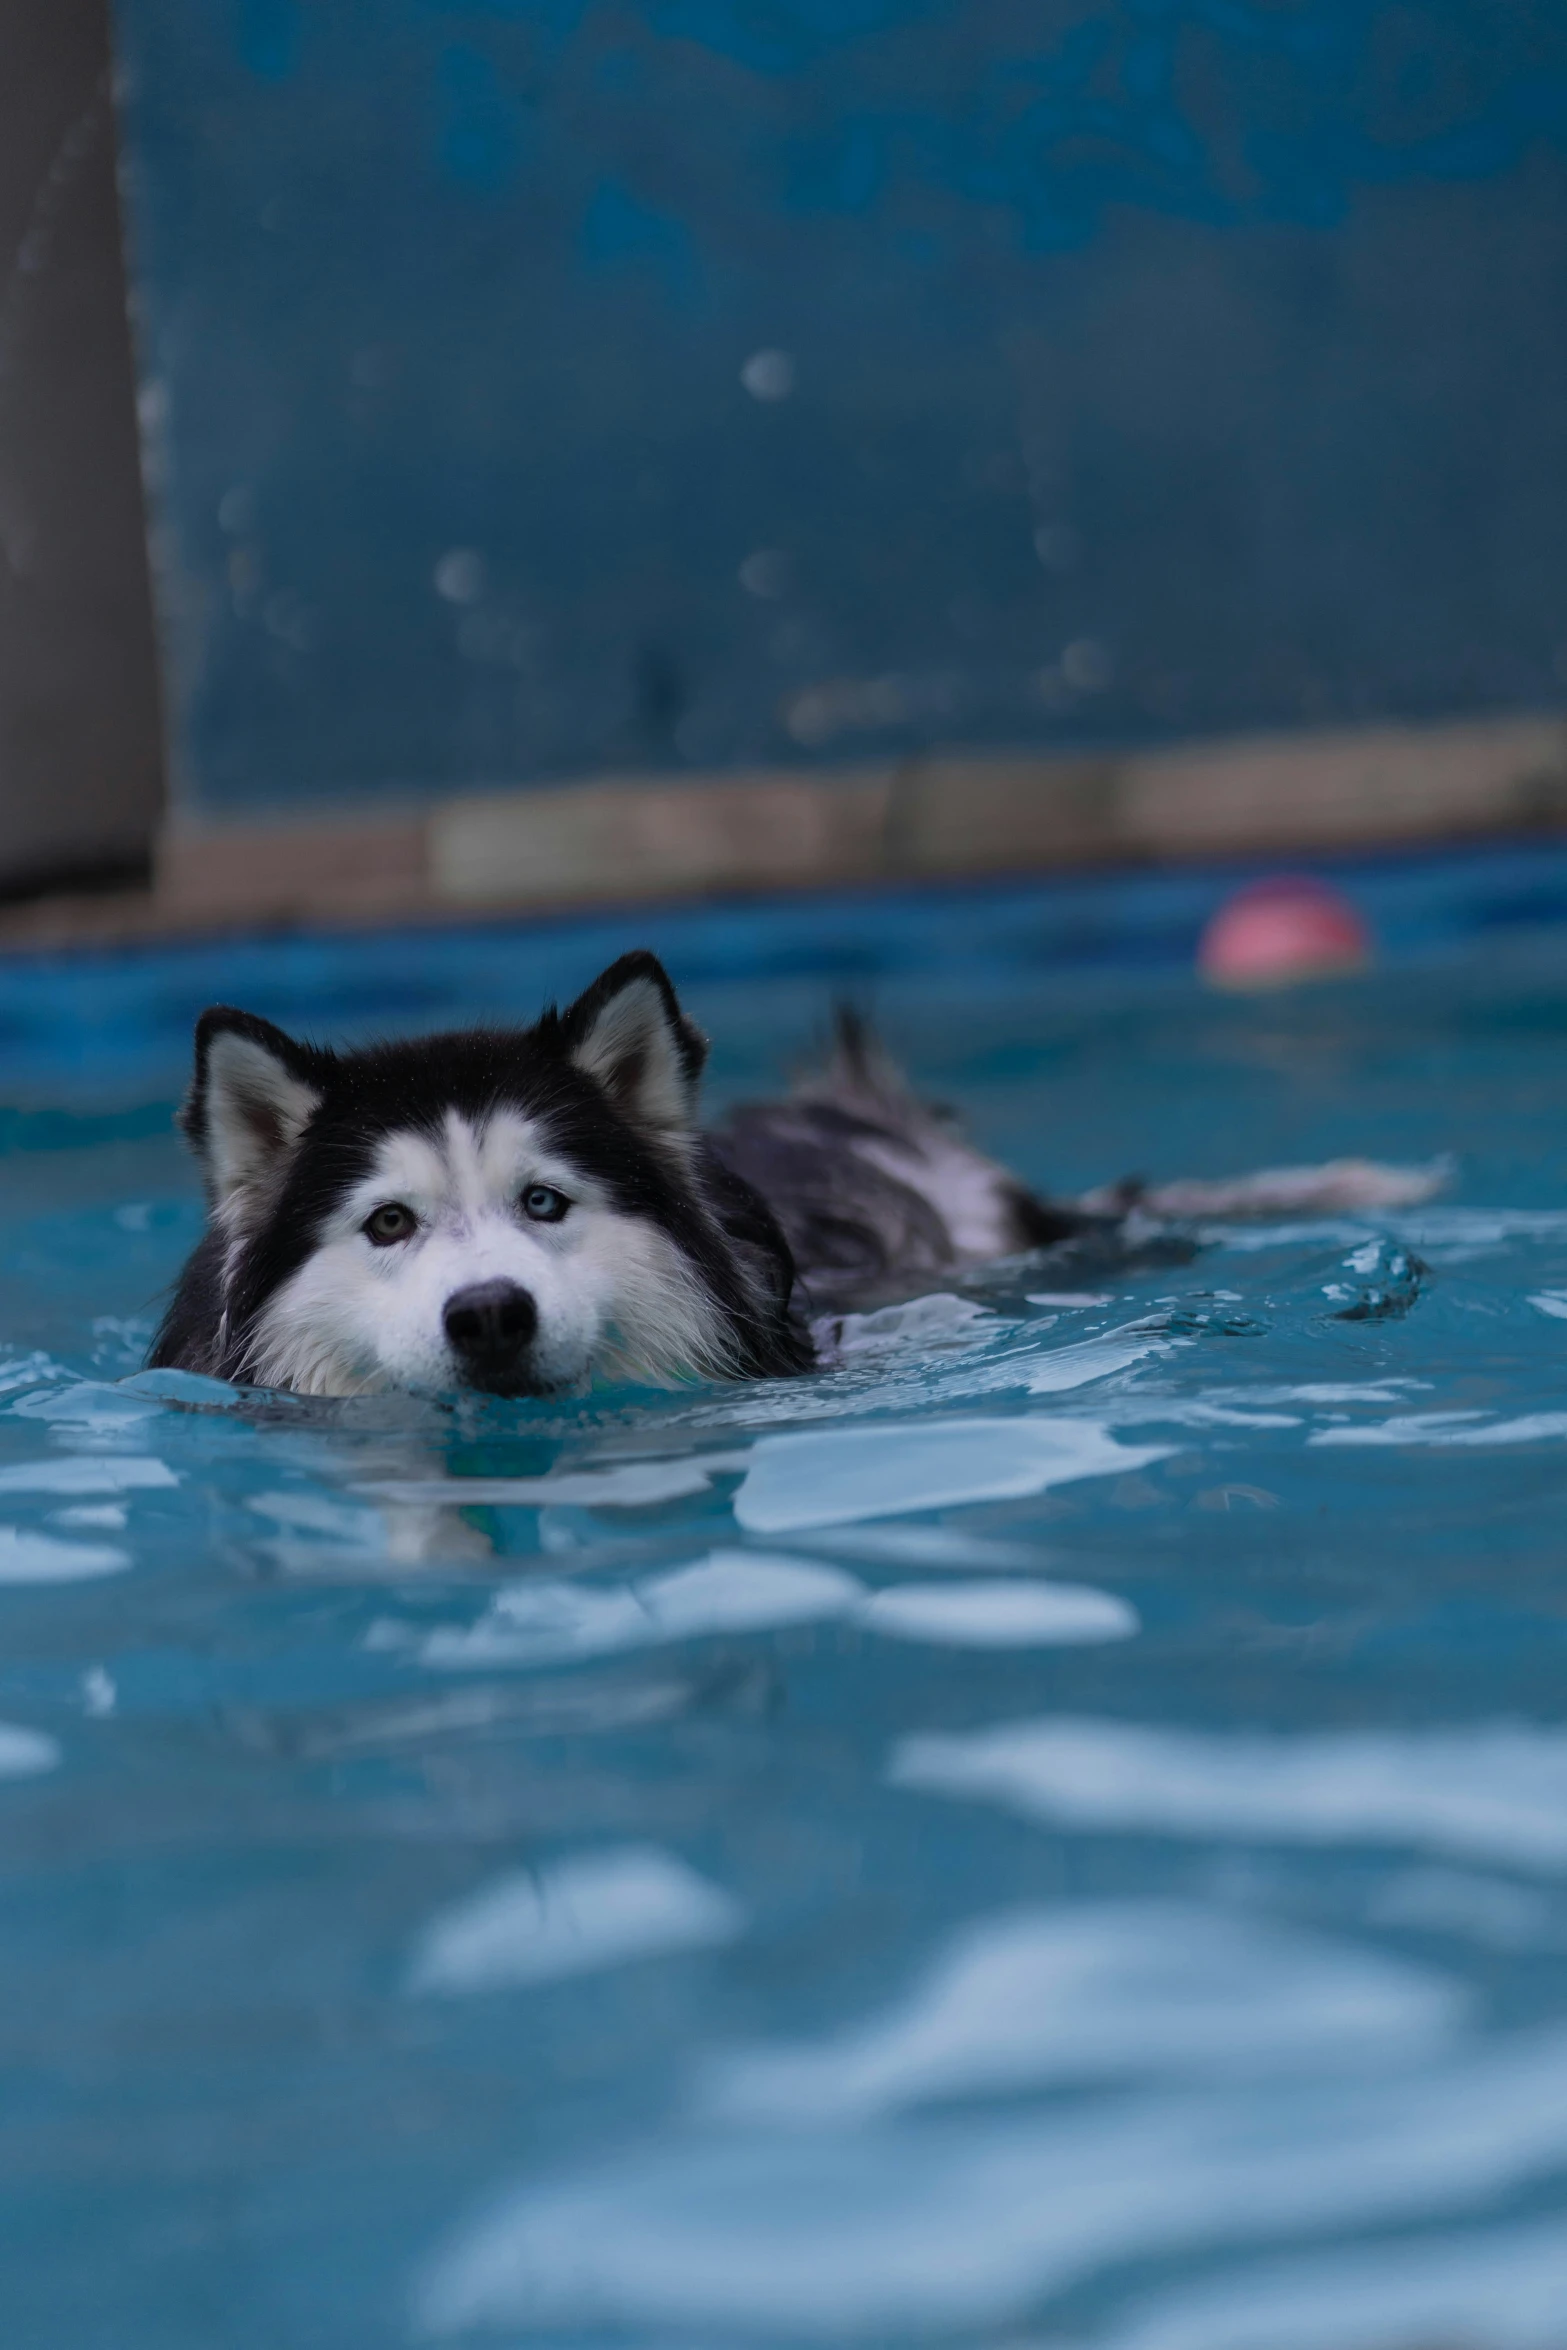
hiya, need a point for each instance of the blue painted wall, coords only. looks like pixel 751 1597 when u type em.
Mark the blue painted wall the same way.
pixel 538 387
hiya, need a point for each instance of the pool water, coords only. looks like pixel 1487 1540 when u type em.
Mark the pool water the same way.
pixel 1052 1832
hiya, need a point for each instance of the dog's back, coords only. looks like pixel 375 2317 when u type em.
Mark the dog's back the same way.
pixel 878 1193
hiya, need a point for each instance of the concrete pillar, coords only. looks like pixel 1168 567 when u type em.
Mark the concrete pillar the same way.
pixel 81 764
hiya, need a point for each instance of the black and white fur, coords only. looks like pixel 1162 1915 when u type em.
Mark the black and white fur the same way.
pixel 517 1211
pixel 561 1213
pixel 880 1194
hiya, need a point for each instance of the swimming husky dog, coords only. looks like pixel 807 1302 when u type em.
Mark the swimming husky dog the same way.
pixel 518 1210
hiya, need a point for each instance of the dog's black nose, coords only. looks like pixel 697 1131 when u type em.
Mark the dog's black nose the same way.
pixel 489 1324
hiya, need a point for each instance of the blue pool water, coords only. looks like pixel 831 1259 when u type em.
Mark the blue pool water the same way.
pixel 1051 1833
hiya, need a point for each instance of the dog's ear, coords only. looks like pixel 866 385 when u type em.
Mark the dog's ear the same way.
pixel 252 1096
pixel 628 1032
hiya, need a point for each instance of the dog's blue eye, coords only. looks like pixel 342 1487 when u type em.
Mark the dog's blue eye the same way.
pixel 389 1223
pixel 543 1204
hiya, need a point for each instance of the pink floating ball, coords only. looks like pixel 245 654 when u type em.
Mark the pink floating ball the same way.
pixel 1276 932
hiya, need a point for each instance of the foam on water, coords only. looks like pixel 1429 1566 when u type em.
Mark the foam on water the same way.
pixel 544 1622
pixel 928 2227
pixel 24 1753
pixel 1035 1997
pixel 87 1473
pixel 600 1909
pixel 837 1476
pixel 1453 1428
pixel 997 1615
pixel 30 1557
pixel 548 1622
pixel 1504 2287
pixel 1494 1791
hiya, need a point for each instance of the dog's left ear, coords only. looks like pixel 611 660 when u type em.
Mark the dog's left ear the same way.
pixel 628 1032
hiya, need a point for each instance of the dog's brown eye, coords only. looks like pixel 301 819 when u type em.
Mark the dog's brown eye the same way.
pixel 392 1222
pixel 544 1204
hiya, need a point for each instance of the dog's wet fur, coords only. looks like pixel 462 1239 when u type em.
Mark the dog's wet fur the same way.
pixel 519 1211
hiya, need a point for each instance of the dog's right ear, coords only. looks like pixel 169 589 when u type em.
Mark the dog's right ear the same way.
pixel 253 1094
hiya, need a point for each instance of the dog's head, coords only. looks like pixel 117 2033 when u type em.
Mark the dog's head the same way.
pixel 504 1210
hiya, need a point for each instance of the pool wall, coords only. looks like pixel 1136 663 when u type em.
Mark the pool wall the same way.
pixel 600 454
pixel 543 391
